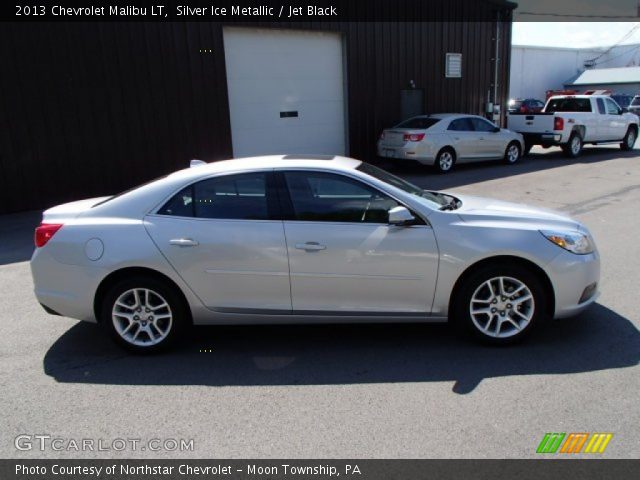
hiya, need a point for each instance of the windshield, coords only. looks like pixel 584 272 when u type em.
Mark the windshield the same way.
pixel 418 122
pixel 436 199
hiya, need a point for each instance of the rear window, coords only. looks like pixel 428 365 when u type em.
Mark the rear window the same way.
pixel 419 123
pixel 569 105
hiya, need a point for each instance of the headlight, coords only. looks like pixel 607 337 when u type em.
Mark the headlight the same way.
pixel 576 242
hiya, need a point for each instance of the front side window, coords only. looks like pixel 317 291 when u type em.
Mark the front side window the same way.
pixel 612 107
pixel 327 197
pixel 236 197
pixel 635 102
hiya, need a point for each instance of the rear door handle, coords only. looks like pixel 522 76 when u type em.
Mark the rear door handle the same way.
pixel 310 246
pixel 184 242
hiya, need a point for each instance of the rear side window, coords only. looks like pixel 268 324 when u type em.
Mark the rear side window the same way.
pixel 601 108
pixel 421 123
pixel 569 104
pixel 461 125
pixel 636 101
pixel 482 125
pixel 233 197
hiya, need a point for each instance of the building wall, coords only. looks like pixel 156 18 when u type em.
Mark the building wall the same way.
pixel 534 70
pixel 97 108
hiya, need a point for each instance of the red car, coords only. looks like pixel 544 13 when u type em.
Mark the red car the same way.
pixel 528 105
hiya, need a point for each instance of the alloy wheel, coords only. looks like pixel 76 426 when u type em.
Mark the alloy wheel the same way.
pixel 502 307
pixel 142 317
pixel 513 154
pixel 631 139
pixel 445 161
pixel 575 145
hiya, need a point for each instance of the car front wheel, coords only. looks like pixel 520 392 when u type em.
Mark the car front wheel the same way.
pixel 143 314
pixel 512 153
pixel 500 304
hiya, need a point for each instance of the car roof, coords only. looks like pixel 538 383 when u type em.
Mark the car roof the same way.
pixel 332 162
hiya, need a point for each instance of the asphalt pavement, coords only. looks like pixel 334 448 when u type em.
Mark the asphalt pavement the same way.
pixel 383 391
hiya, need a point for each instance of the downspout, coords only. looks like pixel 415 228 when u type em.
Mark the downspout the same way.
pixel 496 68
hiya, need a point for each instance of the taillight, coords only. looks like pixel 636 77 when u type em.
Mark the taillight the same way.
pixel 558 123
pixel 523 109
pixel 413 137
pixel 45 232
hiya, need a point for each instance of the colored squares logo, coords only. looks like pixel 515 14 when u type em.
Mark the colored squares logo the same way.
pixel 574 443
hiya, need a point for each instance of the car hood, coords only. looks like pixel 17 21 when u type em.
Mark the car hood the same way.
pixel 476 209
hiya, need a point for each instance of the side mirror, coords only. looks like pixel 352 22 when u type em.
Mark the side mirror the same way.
pixel 400 216
pixel 496 130
pixel 624 110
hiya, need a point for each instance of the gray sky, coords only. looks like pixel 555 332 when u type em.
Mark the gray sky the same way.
pixel 573 34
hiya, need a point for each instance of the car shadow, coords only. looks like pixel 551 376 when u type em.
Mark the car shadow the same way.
pixel 469 173
pixel 599 339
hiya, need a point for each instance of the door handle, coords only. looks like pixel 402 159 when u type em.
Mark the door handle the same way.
pixel 310 246
pixel 481 138
pixel 184 242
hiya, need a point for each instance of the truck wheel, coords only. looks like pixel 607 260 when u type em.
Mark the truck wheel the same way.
pixel 573 147
pixel 629 139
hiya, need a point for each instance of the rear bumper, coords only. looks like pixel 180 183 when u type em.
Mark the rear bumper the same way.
pixel 545 139
pixel 65 290
pixel 416 153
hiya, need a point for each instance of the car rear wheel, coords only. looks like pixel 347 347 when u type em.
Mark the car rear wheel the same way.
pixel 143 314
pixel 445 160
pixel 573 148
pixel 629 139
pixel 512 153
pixel 500 304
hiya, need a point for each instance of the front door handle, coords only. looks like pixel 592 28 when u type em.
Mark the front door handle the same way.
pixel 184 242
pixel 310 246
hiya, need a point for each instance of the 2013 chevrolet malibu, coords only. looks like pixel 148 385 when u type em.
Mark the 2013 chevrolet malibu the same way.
pixel 284 239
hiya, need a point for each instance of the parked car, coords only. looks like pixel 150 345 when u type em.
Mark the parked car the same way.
pixel 528 105
pixel 284 239
pixel 571 121
pixel 444 139
pixel 634 105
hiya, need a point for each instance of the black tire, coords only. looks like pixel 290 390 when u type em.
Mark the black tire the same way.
pixel 445 160
pixel 629 139
pixel 570 150
pixel 160 290
pixel 476 284
pixel 508 158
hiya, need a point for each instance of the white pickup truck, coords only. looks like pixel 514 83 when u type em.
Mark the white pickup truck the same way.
pixel 571 121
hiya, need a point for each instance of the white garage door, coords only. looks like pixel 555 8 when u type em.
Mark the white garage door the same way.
pixel 285 91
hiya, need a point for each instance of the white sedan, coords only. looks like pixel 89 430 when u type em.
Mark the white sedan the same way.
pixel 444 139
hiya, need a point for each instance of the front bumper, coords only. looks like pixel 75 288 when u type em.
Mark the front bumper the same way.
pixel 576 282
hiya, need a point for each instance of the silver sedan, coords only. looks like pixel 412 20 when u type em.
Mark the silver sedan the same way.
pixel 444 139
pixel 285 239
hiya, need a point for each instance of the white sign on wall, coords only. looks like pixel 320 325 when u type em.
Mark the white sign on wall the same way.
pixel 453 65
